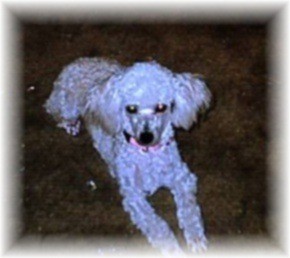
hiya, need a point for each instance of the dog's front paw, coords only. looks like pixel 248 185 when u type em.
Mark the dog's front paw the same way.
pixel 198 244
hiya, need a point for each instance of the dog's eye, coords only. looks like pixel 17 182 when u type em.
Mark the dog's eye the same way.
pixel 160 108
pixel 132 109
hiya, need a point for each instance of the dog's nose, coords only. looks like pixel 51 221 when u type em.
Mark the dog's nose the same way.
pixel 146 138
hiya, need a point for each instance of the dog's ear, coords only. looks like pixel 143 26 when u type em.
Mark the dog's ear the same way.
pixel 104 107
pixel 191 94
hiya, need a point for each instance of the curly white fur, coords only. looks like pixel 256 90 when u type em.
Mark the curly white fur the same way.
pixel 130 113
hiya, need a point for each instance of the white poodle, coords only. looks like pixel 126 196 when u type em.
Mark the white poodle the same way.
pixel 130 113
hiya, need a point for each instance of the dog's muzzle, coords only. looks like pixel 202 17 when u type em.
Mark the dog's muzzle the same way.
pixel 144 142
pixel 147 137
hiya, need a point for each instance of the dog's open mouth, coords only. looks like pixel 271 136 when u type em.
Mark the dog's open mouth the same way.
pixel 130 139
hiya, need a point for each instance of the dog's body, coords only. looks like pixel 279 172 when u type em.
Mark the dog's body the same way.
pixel 130 114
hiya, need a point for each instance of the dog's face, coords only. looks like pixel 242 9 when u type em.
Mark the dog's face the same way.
pixel 147 104
pixel 146 115
pixel 146 99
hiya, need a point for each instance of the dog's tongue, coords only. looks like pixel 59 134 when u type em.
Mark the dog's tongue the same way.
pixel 143 148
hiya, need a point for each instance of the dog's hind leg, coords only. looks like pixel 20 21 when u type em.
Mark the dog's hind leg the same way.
pixel 67 100
pixel 63 106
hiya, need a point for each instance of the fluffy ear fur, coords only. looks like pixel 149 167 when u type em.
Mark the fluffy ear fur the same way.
pixel 104 108
pixel 191 95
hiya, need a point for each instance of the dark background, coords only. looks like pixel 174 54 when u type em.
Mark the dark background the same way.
pixel 226 149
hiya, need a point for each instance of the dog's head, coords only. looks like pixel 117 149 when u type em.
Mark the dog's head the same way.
pixel 146 99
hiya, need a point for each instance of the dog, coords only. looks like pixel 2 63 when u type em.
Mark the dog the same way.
pixel 131 113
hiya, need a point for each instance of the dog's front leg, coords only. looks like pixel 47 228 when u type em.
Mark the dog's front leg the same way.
pixel 188 212
pixel 152 226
